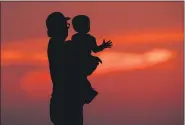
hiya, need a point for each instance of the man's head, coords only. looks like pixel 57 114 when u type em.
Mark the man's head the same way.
pixel 81 24
pixel 57 25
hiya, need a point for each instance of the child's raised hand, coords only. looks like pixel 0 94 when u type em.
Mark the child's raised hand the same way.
pixel 107 44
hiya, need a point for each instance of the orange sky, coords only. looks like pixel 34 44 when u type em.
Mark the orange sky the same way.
pixel 140 80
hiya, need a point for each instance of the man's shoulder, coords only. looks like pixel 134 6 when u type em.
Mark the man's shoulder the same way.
pixel 69 45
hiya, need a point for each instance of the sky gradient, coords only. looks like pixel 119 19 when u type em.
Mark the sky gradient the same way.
pixel 140 81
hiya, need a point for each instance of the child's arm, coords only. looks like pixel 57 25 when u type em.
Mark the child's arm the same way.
pixel 96 48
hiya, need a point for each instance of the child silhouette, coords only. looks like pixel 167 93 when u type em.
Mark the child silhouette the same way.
pixel 85 44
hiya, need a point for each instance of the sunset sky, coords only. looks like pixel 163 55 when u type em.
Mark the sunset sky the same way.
pixel 140 81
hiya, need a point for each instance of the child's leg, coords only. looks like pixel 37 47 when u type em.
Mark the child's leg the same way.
pixel 90 92
pixel 88 84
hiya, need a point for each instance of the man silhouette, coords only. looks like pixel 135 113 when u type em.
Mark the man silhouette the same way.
pixel 66 105
pixel 68 97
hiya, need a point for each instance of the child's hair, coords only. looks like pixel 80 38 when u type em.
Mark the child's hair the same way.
pixel 81 23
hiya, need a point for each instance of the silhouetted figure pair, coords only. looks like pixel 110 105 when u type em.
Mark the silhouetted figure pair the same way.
pixel 84 44
pixel 70 63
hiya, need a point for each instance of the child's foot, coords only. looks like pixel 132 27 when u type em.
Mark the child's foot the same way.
pixel 90 96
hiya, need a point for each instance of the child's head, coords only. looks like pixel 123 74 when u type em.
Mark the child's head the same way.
pixel 81 24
